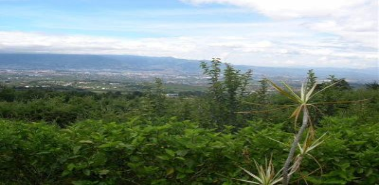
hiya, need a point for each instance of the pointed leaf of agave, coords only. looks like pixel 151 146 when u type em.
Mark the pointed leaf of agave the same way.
pixel 272 177
pixel 283 92
pixel 277 180
pixel 300 148
pixel 315 145
pixel 298 99
pixel 308 139
pixel 296 114
pixel 276 141
pixel 251 182
pixel 310 145
pixel 310 92
pixel 251 174
pixel 327 87
pixel 260 172
pixel 311 128
pixel 272 172
pixel 317 142
pixel 302 90
pixel 268 171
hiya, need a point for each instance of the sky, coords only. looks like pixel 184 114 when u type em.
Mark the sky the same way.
pixel 289 33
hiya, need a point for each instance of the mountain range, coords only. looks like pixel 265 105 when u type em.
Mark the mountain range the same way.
pixel 84 62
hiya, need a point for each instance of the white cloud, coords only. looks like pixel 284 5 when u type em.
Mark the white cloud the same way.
pixel 248 49
pixel 353 20
pixel 337 33
pixel 291 8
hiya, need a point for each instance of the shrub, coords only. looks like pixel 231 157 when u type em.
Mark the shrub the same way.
pixel 177 152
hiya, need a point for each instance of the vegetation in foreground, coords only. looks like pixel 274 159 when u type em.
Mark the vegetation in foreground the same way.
pixel 54 137
pixel 179 152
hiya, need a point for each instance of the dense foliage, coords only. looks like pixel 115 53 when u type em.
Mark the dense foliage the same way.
pixel 177 152
pixel 72 137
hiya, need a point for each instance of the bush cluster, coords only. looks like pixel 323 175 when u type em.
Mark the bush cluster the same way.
pixel 178 152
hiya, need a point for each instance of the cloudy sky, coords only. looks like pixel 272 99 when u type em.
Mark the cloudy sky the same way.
pixel 311 33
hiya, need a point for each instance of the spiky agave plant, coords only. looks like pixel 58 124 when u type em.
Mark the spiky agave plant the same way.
pixel 302 103
pixel 304 150
pixel 266 174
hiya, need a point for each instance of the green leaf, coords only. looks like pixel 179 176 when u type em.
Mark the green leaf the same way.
pixel 86 141
pixel 170 152
pixel 164 157
pixel 99 159
pixel 65 173
pixel 87 172
pixel 103 172
pixel 71 166
pixel 108 145
pixel 76 149
pixel 181 176
pixel 42 153
pixel 182 152
pixel 170 171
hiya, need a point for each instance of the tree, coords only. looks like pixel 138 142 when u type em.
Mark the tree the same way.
pixel 158 98
pixel 214 72
pixel 245 78
pixel 262 92
pixel 8 94
pixel 311 79
pixel 340 83
pixel 334 93
pixel 216 90
pixel 232 82
pixel 262 99
pixel 373 86
pixel 224 95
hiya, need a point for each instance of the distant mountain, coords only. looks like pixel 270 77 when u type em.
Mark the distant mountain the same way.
pixel 357 75
pixel 161 64
pixel 94 62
